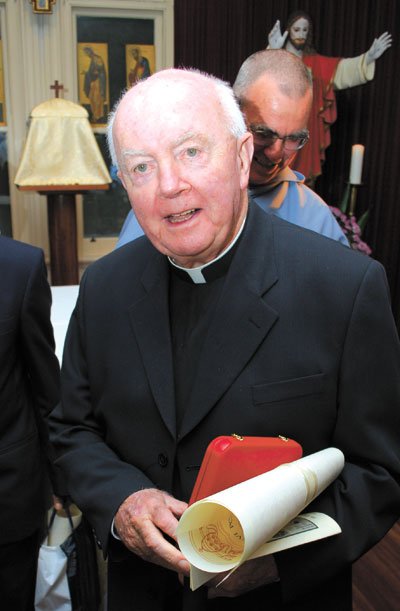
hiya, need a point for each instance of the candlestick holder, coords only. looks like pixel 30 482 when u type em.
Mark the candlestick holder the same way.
pixel 353 197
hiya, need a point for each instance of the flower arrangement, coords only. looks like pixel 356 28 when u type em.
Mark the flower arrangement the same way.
pixel 350 226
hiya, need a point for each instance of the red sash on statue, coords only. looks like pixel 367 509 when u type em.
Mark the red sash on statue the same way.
pixel 323 113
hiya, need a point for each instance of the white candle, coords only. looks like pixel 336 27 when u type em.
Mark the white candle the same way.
pixel 357 154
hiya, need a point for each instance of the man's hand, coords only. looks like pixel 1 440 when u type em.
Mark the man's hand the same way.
pixel 276 39
pixel 378 47
pixel 140 522
pixel 57 503
pixel 251 575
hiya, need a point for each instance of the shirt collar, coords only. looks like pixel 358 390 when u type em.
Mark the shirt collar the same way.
pixel 285 175
pixel 213 269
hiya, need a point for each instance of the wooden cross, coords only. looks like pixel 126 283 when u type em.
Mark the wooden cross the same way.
pixel 57 87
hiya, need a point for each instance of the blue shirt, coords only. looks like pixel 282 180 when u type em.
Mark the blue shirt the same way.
pixel 130 230
pixel 291 200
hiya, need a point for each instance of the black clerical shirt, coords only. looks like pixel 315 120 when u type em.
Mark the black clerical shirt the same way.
pixel 191 307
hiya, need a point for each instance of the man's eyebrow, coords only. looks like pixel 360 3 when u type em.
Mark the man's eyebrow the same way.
pixel 263 127
pixel 190 136
pixel 181 140
pixel 135 153
pixel 301 133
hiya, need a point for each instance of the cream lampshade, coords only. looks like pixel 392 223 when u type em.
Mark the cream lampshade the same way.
pixel 61 158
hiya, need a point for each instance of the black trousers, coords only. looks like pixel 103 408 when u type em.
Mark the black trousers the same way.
pixel 18 564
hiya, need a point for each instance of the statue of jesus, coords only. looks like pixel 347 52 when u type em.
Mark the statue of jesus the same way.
pixel 329 73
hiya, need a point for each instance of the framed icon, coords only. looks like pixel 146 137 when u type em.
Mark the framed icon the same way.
pixel 140 62
pixel 93 80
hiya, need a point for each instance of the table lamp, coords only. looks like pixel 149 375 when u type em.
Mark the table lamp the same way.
pixel 60 159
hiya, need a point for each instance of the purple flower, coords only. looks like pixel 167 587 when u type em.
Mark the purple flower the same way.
pixel 351 229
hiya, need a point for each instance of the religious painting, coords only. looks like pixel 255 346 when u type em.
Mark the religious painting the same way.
pixel 140 62
pixel 115 34
pixel 103 212
pixel 2 93
pixel 93 80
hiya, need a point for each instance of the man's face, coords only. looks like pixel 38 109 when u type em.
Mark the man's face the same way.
pixel 298 33
pixel 185 174
pixel 268 108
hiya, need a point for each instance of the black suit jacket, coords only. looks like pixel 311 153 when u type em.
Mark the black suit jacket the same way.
pixel 302 344
pixel 29 388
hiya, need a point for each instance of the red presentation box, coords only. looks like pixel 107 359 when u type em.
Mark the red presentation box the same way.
pixel 232 459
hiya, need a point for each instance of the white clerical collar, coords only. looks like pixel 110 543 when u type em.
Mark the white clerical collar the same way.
pixel 196 273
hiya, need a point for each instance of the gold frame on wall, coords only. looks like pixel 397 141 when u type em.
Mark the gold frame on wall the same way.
pixel 42 6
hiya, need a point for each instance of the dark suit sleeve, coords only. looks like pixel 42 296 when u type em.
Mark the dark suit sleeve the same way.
pixel 37 339
pixel 365 500
pixel 97 478
pixel 37 351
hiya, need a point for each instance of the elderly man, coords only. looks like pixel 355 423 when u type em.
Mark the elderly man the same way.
pixel 274 90
pixel 221 318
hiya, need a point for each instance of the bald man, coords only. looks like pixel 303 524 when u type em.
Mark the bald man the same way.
pixel 274 90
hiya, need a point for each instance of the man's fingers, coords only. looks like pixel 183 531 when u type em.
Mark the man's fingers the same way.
pixel 141 521
pixel 153 547
pixel 164 518
pixel 57 503
pixel 177 507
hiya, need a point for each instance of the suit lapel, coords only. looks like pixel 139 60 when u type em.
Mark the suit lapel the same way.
pixel 149 316
pixel 241 321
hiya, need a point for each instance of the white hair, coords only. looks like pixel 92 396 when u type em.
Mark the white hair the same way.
pixel 234 118
pixel 109 132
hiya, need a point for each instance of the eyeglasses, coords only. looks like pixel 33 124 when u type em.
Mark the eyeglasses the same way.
pixel 266 138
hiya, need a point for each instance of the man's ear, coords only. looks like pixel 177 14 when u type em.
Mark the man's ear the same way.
pixel 119 174
pixel 245 150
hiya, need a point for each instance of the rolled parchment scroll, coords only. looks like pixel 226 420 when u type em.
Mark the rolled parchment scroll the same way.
pixel 220 532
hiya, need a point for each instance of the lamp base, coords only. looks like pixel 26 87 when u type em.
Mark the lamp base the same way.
pixel 61 212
